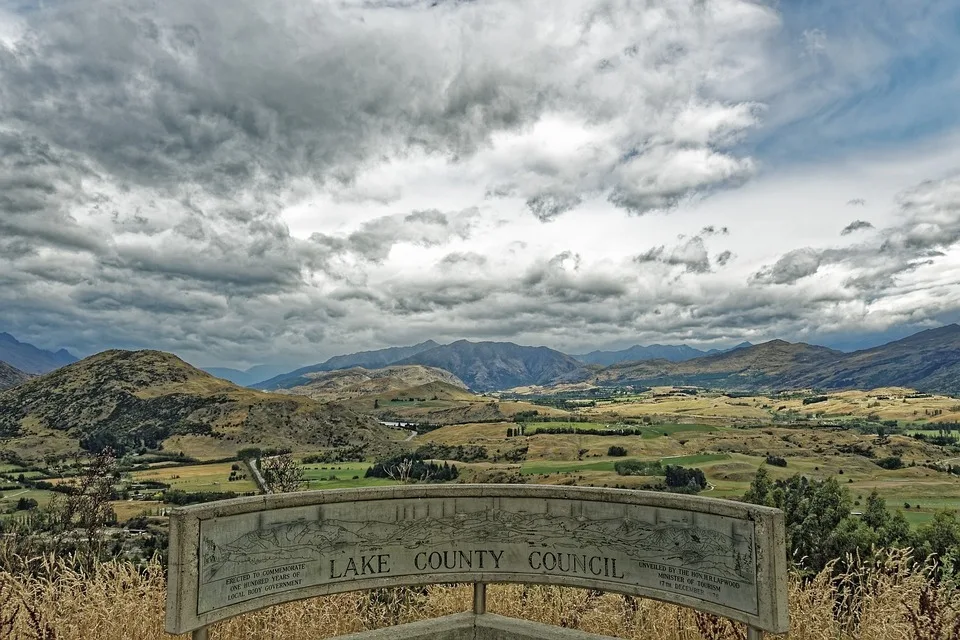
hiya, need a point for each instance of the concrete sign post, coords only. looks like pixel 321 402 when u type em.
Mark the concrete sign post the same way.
pixel 235 556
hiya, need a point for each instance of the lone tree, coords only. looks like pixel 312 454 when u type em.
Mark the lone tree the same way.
pixel 282 473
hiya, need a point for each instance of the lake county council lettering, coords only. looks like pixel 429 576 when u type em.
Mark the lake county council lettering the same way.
pixel 675 555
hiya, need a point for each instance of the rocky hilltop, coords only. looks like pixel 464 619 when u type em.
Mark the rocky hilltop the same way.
pixel 135 400
pixel 358 381
pixel 367 359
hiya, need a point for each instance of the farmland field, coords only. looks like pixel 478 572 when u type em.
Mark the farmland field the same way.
pixel 195 478
pixel 718 434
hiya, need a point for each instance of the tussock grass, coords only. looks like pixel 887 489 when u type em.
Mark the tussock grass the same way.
pixel 891 599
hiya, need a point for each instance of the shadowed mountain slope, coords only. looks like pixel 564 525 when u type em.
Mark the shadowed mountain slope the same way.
pixel 487 366
pixel 246 377
pixel 30 359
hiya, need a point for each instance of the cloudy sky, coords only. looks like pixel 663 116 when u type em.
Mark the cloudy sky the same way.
pixel 260 181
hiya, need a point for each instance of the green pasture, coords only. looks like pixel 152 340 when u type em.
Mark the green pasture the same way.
pixel 200 477
pixel 348 482
pixel 341 470
pixel 10 468
pixel 694 460
pixel 563 466
pixel 10 498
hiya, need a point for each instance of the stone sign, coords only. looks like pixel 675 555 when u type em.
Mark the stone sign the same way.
pixel 239 555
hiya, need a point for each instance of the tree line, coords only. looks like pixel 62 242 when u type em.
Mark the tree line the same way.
pixel 821 526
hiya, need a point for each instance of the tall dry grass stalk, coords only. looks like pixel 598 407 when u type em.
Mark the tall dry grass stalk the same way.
pixel 891 599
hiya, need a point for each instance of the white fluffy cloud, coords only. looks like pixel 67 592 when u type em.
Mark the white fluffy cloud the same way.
pixel 285 182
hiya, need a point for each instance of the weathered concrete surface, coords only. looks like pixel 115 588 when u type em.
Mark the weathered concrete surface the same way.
pixel 459 626
pixel 234 556
pixel 467 626
pixel 493 627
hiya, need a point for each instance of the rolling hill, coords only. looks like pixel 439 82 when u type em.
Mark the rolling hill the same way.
pixel 131 400
pixel 367 359
pixel 441 403
pixel 11 376
pixel 357 381
pixel 30 359
pixel 927 361
pixel 761 366
pixel 487 366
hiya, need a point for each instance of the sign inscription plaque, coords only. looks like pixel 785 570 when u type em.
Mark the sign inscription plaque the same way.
pixel 244 554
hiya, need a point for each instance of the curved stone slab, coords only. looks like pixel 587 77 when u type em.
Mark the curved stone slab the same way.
pixel 234 556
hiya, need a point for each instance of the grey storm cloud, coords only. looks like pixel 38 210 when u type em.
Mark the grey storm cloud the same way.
pixel 163 94
pixel 150 153
pixel 374 240
pixel 691 254
pixel 791 267
pixel 711 230
pixel 856 225
pixel 547 207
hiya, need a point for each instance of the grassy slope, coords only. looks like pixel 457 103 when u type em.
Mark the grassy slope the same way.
pixel 730 456
pixel 151 396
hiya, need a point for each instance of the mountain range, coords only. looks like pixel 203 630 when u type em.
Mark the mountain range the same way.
pixel 483 366
pixel 488 366
pixel 246 377
pixel 638 353
pixel 926 361
pixel 30 359
pixel 150 399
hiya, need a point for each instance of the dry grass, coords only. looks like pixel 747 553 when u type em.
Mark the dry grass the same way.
pixel 892 600
pixel 887 403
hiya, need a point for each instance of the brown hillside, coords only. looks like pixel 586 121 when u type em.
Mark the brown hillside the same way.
pixel 131 400
pixel 352 383
pixel 770 360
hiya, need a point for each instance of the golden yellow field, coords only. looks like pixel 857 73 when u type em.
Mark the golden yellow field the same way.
pixel 887 403
pixel 729 456
pixel 867 602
